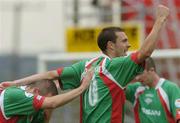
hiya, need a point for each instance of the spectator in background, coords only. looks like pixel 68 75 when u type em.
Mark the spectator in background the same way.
pixel 104 101
pixel 34 103
pixel 155 99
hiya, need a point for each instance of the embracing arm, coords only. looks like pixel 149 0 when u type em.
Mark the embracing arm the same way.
pixel 50 75
pixel 150 42
pixel 59 100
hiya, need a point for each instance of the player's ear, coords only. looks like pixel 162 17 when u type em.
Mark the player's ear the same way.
pixel 36 90
pixel 110 45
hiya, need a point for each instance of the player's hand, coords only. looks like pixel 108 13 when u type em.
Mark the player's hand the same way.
pixel 4 85
pixel 162 12
pixel 87 78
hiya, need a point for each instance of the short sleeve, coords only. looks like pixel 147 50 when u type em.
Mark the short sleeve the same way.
pixel 70 77
pixel 124 69
pixel 18 102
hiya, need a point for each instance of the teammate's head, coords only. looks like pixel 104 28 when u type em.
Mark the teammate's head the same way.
pixel 44 88
pixel 113 41
pixel 149 64
pixel 149 73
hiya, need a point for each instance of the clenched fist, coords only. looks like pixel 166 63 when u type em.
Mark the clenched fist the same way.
pixel 162 12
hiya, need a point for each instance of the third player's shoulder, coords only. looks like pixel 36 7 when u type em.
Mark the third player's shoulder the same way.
pixel 170 86
pixel 169 83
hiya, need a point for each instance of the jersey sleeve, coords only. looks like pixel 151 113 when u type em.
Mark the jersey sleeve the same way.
pixel 130 91
pixel 18 102
pixel 70 77
pixel 124 69
pixel 173 92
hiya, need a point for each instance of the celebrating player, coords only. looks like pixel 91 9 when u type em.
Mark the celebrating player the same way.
pixel 156 100
pixel 34 103
pixel 104 101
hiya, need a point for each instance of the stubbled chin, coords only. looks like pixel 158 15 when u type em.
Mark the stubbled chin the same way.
pixel 123 54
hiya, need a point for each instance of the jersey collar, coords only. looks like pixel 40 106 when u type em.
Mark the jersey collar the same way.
pixel 160 83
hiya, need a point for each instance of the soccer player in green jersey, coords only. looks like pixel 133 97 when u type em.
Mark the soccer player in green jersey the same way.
pixel 103 102
pixel 155 99
pixel 35 102
pixel 19 104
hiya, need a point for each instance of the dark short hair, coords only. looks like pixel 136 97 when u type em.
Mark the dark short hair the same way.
pixel 149 63
pixel 45 87
pixel 107 34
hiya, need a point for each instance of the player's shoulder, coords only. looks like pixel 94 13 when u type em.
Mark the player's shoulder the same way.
pixel 11 93
pixel 13 89
pixel 120 59
pixel 168 83
pixel 17 93
pixel 170 87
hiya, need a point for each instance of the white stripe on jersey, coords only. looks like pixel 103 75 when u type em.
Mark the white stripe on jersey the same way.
pixel 86 64
pixel 89 62
pixel 106 72
pixel 165 97
pixel 2 104
pixel 138 91
pixel 160 83
pixel 163 93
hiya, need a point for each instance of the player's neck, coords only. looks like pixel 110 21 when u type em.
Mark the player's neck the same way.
pixel 109 55
pixel 112 55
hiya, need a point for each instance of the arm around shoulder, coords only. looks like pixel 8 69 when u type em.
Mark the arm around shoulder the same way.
pixel 59 100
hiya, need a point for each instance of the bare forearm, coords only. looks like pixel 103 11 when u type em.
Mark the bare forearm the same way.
pixel 59 100
pixel 37 77
pixel 28 80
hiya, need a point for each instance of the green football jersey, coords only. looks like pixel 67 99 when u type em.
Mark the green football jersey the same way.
pixel 155 105
pixel 39 117
pixel 103 101
pixel 18 106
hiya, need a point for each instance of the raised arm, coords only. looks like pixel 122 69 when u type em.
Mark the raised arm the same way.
pixel 59 100
pixel 150 42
